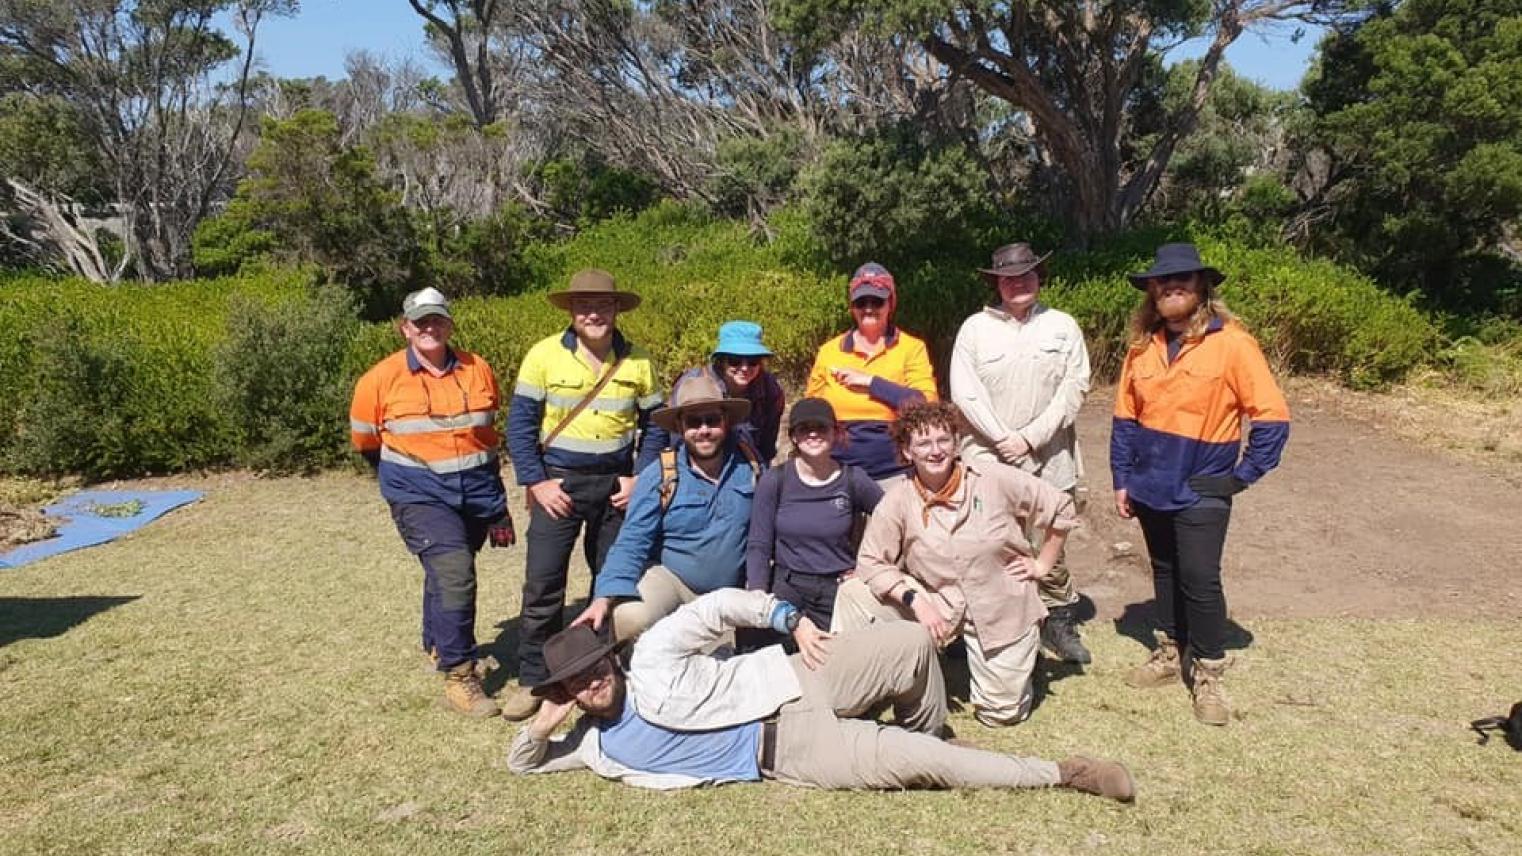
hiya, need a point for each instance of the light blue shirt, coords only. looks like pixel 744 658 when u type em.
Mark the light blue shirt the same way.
pixel 723 755
pixel 700 537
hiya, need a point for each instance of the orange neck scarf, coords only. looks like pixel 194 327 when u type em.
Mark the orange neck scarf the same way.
pixel 944 496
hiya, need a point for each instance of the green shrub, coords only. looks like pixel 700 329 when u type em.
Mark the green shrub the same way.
pixel 280 380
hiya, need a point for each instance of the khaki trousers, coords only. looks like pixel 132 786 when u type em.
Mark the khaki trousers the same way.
pixel 1001 681
pixel 887 663
pixel 1057 589
pixel 661 592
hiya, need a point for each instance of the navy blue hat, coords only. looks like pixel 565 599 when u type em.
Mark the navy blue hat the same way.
pixel 1177 258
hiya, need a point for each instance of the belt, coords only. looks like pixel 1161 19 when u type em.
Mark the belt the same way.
pixel 559 472
pixel 768 759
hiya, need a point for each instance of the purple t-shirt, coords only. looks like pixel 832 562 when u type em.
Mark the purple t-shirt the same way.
pixel 802 527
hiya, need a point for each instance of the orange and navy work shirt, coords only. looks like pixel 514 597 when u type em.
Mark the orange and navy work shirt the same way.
pixel 902 375
pixel 1182 417
pixel 434 439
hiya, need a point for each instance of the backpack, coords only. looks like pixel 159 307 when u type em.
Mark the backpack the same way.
pixel 670 471
pixel 1509 725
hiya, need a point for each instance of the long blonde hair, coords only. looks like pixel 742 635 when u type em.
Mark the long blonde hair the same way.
pixel 1146 319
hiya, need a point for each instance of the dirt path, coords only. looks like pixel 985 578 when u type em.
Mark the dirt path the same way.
pixel 1354 522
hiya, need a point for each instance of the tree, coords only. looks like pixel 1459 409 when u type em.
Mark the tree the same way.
pixel 1418 112
pixel 142 76
pixel 464 29
pixel 1084 73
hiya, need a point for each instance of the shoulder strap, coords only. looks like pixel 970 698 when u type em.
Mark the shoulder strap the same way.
pixel 751 458
pixel 669 473
pixel 581 405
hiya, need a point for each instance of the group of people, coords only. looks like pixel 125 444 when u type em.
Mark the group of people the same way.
pixel 897 524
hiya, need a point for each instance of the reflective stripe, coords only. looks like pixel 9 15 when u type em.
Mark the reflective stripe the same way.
pixel 429 424
pixel 528 390
pixel 606 405
pixel 593 447
pixel 444 467
pixel 650 402
pixel 359 427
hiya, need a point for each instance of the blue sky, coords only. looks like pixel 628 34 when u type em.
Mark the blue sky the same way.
pixel 315 42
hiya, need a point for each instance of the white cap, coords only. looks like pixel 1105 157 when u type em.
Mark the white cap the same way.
pixel 429 301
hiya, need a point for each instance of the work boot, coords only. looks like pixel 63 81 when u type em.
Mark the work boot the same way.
pixel 463 693
pixel 519 703
pixel 1059 636
pixel 1094 776
pixel 1210 703
pixel 1161 668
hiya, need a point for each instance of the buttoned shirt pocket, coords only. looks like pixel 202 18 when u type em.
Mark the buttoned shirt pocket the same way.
pixel 1197 388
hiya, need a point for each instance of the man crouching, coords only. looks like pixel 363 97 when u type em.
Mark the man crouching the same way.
pixel 682 717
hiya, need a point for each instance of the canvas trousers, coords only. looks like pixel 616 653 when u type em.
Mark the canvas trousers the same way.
pixel 1056 588
pixel 445 542
pixel 821 742
pixel 1185 548
pixel 661 592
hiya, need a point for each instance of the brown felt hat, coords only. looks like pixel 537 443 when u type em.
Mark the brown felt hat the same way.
pixel 1012 260
pixel 700 389
pixel 591 282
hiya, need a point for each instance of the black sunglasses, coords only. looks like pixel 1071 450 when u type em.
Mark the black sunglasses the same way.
pixel 869 302
pixel 741 362
pixel 694 421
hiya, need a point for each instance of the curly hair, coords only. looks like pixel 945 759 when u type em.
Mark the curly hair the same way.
pixel 922 416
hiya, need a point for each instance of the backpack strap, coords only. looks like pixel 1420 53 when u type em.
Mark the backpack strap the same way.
pixel 669 474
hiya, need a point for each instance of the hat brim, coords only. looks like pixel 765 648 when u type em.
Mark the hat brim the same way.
pixel 423 312
pixel 575 667
pixel 627 300
pixel 744 350
pixel 670 418
pixel 869 290
pixel 991 275
pixel 1139 280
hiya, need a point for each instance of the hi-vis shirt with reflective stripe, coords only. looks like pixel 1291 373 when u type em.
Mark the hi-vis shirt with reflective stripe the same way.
pixel 436 437
pixel 551 381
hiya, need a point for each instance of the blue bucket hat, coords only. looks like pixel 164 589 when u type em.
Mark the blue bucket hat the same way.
pixel 1177 258
pixel 741 339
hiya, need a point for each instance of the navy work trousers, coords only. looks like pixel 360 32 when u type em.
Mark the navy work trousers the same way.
pixel 446 542
pixel 1185 548
pixel 550 542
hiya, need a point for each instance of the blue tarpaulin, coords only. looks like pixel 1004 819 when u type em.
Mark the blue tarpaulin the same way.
pixel 84 528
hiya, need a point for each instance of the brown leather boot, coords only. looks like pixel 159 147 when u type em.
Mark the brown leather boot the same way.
pixel 463 693
pixel 1210 703
pixel 1161 668
pixel 519 702
pixel 1095 776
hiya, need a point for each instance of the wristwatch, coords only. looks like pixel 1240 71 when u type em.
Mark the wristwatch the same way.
pixel 908 598
pixel 791 620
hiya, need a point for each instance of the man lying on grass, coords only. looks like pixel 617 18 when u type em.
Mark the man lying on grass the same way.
pixel 682 717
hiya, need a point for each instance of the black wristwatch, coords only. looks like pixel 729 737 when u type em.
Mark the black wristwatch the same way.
pixel 792 620
pixel 908 598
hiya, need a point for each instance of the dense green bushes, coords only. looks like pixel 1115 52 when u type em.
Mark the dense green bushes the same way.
pixel 256 371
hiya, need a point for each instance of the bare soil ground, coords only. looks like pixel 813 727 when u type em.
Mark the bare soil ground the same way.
pixel 1357 521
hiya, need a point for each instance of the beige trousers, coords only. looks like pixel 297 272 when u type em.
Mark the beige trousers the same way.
pixel 660 593
pixel 1057 588
pixel 886 663
pixel 1002 681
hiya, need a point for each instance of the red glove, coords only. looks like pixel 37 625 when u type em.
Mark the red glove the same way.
pixel 502 533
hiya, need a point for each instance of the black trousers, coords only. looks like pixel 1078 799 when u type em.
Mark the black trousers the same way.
pixel 1185 548
pixel 550 542
pixel 813 594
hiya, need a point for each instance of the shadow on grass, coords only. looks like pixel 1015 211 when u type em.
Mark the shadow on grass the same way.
pixel 46 617
pixel 1137 622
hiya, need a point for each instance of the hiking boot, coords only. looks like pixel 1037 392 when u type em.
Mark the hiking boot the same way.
pixel 1059 636
pixel 463 693
pixel 1094 776
pixel 519 703
pixel 1210 703
pixel 1161 668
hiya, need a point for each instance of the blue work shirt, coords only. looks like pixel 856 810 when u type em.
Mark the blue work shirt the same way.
pixel 700 537
pixel 722 755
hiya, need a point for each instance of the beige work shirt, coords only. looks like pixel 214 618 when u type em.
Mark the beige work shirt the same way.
pixel 1029 377
pixel 967 557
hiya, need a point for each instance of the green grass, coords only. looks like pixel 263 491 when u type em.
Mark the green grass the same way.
pixel 248 681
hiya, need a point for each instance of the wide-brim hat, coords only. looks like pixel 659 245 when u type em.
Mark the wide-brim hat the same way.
pixel 591 282
pixel 1012 260
pixel 1177 258
pixel 741 339
pixel 571 652
pixel 693 391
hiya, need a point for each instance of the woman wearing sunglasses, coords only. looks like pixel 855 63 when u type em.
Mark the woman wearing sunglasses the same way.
pixel 1190 376
pixel 738 364
pixel 803 516
pixel 871 372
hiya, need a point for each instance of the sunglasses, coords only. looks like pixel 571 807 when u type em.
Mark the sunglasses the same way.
pixel 741 362
pixel 694 421
pixel 813 428
pixel 869 303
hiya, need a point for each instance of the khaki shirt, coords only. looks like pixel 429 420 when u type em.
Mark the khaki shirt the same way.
pixel 970 565
pixel 1026 377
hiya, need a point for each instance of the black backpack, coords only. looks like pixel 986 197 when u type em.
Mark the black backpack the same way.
pixel 1509 725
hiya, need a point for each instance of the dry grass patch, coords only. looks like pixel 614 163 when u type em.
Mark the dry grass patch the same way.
pixel 243 677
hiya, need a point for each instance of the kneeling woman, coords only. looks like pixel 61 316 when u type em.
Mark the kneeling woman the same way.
pixel 949 548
